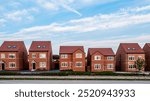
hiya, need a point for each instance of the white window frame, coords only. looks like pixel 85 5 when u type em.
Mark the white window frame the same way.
pixel 110 66
pixel 131 58
pixel 78 55
pixel 64 56
pixel 97 66
pixel 110 58
pixel 97 57
pixel 11 63
pixel 64 64
pixel 41 55
pixel 76 64
pixel 131 65
pixel 11 54
pixel 3 56
pixel 42 64
pixel 33 54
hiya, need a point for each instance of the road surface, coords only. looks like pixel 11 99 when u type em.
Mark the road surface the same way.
pixel 73 82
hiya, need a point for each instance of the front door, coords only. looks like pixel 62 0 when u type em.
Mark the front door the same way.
pixel 3 66
pixel 33 66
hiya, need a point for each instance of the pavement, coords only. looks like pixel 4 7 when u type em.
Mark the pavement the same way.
pixel 76 77
pixel 73 82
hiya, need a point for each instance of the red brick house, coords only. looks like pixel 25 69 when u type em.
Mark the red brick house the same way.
pixel 40 55
pixel 13 56
pixel 100 59
pixel 126 56
pixel 146 49
pixel 72 58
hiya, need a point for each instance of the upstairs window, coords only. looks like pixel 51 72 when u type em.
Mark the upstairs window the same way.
pixel 12 56
pixel 131 58
pixel 64 56
pixel 78 55
pixel 42 55
pixel 97 57
pixel 33 55
pixel 110 58
pixel 2 56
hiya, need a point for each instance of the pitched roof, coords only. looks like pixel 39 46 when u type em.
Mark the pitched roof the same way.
pixel 40 46
pixel 12 46
pixel 103 51
pixel 131 48
pixel 70 49
pixel 148 44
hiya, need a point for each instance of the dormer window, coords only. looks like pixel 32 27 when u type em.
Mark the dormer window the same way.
pixel 8 46
pixel 44 46
pixel 14 46
pixel 131 48
pixel 38 46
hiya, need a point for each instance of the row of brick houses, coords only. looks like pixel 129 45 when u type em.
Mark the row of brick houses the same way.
pixel 14 56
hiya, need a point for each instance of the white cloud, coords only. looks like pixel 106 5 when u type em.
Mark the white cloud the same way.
pixel 71 9
pixel 88 24
pixel 20 15
pixel 2 22
pixel 90 2
pixel 24 15
pixel 98 22
pixel 136 9
pixel 111 43
pixel 58 5
pixel 47 4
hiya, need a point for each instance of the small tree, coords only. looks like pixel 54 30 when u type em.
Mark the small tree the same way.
pixel 140 63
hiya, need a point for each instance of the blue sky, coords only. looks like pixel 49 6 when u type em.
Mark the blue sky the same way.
pixel 92 23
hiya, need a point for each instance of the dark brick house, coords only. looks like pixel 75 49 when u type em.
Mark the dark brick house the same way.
pixel 146 49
